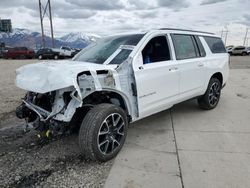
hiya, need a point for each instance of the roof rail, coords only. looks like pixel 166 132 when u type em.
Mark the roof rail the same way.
pixel 186 30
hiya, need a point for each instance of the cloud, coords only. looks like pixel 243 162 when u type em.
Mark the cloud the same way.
pixel 151 14
pixel 141 4
pixel 208 2
pixel 246 20
pixel 98 4
pixel 74 14
pixel 173 4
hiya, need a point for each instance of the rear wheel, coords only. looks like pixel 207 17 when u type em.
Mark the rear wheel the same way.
pixel 212 96
pixel 103 132
pixel 244 53
pixel 40 57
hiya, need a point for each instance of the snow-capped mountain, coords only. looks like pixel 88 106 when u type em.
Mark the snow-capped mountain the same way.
pixel 85 37
pixel 25 37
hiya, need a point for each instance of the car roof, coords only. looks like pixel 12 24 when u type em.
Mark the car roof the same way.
pixel 170 30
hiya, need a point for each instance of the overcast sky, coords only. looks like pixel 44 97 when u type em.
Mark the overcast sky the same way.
pixel 105 17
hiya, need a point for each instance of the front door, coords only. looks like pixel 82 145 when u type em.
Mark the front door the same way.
pixel 156 75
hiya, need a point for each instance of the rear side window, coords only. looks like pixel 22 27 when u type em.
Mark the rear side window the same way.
pixel 215 44
pixel 184 46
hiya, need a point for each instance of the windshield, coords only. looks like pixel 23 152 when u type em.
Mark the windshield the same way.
pixel 100 51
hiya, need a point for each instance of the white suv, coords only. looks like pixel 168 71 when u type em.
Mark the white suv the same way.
pixel 119 80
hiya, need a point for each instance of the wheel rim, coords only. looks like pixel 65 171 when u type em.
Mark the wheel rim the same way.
pixel 214 94
pixel 110 134
pixel 56 57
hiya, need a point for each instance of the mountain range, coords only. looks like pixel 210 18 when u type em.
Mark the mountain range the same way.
pixel 31 39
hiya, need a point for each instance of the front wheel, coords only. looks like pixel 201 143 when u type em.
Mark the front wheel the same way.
pixel 212 96
pixel 103 132
pixel 56 57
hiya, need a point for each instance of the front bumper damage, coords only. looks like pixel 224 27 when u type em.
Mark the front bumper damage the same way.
pixel 47 113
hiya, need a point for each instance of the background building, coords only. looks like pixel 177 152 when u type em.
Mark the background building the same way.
pixel 5 25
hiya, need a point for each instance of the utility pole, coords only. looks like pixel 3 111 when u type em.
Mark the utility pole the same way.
pixel 226 37
pixel 51 25
pixel 44 11
pixel 222 35
pixel 245 38
pixel 41 20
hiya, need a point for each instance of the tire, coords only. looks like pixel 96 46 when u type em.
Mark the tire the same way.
pixel 99 139
pixel 212 96
pixel 40 57
pixel 22 57
pixel 244 54
pixel 56 57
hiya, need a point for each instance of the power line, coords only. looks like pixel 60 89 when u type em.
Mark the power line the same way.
pixel 44 11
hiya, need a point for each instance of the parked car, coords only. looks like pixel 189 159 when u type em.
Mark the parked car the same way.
pixel 19 53
pixel 119 80
pixel 66 51
pixel 248 50
pixel 76 51
pixel 47 53
pixel 239 50
pixel 229 49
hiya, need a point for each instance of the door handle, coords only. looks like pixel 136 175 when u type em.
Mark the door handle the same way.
pixel 141 67
pixel 173 69
pixel 200 64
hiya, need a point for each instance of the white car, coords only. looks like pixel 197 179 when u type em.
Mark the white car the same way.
pixel 65 51
pixel 119 80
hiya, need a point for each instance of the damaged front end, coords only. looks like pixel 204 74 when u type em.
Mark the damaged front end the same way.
pixel 48 113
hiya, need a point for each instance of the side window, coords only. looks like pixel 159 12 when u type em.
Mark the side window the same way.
pixel 184 46
pixel 200 46
pixel 121 57
pixel 215 44
pixel 156 50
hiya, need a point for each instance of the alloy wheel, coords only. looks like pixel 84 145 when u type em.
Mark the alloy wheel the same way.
pixel 110 134
pixel 214 94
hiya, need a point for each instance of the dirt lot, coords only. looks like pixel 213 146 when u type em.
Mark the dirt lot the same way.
pixel 27 162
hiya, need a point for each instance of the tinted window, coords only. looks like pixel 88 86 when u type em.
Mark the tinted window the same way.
pixel 239 48
pixel 202 52
pixel 215 44
pixel 156 50
pixel 122 56
pixel 99 52
pixel 184 46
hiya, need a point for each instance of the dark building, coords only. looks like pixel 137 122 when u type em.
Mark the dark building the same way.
pixel 5 25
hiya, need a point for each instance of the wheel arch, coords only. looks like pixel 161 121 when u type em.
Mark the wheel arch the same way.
pixel 110 96
pixel 219 76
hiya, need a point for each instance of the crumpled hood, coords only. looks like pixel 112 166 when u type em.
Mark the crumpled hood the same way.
pixel 49 76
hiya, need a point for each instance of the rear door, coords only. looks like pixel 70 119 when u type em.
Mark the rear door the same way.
pixel 156 75
pixel 190 56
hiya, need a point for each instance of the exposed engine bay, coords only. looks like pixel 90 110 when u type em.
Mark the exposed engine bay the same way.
pixel 57 111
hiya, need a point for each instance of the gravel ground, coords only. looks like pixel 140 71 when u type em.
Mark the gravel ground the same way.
pixel 25 161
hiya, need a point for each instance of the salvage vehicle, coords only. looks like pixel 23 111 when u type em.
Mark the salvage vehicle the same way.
pixel 121 79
